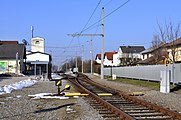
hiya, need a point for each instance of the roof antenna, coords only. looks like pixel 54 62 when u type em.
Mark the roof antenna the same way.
pixel 32 29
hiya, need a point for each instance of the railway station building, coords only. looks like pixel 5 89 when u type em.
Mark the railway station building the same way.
pixel 38 62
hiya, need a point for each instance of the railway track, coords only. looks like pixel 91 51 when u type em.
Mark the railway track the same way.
pixel 115 105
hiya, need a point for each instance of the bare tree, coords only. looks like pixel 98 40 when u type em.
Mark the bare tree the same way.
pixel 170 33
pixel 158 49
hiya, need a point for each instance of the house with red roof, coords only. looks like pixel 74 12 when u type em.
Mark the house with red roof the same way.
pixel 98 59
pixel 110 59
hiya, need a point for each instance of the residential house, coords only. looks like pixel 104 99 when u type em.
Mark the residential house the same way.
pixel 98 59
pixel 164 53
pixel 174 50
pixel 12 57
pixel 130 55
pixel 145 54
pixel 110 59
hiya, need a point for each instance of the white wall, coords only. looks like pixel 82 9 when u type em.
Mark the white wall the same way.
pixel 98 61
pixel 116 60
pixel 37 44
pixel 107 62
pixel 37 57
pixel 149 72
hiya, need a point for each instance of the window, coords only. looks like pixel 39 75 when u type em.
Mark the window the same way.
pixel 179 53
pixel 37 42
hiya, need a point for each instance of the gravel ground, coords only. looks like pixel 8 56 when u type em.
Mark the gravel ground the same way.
pixel 19 106
pixel 170 100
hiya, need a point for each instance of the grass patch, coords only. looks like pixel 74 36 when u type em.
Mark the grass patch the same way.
pixel 145 83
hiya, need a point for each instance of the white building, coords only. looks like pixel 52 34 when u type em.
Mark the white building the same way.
pixel 38 62
pixel 130 55
pixel 38 44
pixel 110 59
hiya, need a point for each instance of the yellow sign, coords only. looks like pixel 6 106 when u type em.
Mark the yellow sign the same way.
pixel 166 61
pixel 58 83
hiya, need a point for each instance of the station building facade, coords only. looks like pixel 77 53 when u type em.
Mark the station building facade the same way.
pixel 38 62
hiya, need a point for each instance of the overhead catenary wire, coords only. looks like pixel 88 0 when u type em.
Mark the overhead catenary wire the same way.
pixel 91 26
pixel 85 29
pixel 107 15
pixel 91 16
pixel 108 3
pixel 89 20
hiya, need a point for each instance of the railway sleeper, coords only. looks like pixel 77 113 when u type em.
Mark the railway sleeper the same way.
pixel 133 108
pixel 115 102
pixel 110 98
pixel 113 97
pixel 113 118
pixel 146 114
pixel 105 112
pixel 154 118
pixel 129 105
pixel 139 111
pixel 109 116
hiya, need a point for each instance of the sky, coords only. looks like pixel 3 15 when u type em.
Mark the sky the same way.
pixel 135 23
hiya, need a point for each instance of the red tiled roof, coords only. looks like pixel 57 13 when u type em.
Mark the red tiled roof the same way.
pixel 110 55
pixel 98 56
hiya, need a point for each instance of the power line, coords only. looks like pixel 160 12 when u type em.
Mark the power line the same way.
pixel 89 19
pixel 91 16
pixel 55 46
pixel 107 15
pixel 108 3
pixel 91 26
pixel 117 8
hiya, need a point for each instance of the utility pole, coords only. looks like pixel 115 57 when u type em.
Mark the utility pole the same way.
pixel 82 58
pixel 102 54
pixel 91 51
pixel 17 63
pixel 32 29
pixel 66 64
pixel 76 62
pixel 102 48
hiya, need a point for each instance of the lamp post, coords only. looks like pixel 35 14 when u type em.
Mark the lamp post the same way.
pixel 17 63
